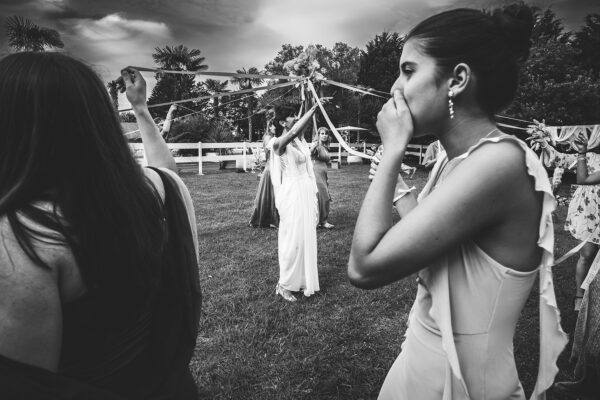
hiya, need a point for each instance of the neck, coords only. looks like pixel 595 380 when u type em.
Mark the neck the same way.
pixel 466 132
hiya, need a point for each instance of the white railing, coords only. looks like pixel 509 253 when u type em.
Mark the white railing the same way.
pixel 241 151
pixel 412 149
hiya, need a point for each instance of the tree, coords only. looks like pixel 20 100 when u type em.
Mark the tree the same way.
pixel 113 91
pixel 214 86
pixel 556 87
pixel 379 66
pixel 171 87
pixel 587 40
pixel 547 27
pixel 24 35
pixel 248 83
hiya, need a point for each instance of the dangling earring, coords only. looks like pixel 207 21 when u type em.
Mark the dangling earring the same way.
pixel 451 103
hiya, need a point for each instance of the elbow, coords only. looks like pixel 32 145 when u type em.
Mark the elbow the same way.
pixel 360 275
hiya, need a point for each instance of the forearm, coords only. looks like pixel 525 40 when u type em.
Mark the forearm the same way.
pixel 157 152
pixel 375 216
pixel 167 124
pixel 294 131
pixel 406 204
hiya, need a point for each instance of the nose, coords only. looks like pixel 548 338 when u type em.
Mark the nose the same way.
pixel 396 86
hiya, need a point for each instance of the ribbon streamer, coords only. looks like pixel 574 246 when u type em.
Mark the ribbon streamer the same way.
pixel 225 74
pixel 353 88
pixel 268 87
pixel 335 132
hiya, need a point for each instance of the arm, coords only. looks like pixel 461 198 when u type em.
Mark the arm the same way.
pixel 167 124
pixel 406 199
pixel 554 158
pixel 157 152
pixel 478 189
pixel 286 138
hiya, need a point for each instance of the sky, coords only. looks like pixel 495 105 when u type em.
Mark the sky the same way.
pixel 234 34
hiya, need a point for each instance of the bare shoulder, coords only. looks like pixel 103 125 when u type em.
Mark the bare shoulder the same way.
pixel 30 304
pixel 500 165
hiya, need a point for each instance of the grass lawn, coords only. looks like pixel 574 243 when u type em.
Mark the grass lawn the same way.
pixel 337 344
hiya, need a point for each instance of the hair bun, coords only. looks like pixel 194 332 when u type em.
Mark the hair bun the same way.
pixel 516 23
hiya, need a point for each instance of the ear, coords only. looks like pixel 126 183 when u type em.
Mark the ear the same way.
pixel 282 123
pixel 460 79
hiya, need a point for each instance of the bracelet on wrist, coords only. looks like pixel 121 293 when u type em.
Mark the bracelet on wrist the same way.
pixel 401 193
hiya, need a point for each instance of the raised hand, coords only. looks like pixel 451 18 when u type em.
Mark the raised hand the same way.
pixel 394 124
pixel 581 143
pixel 135 87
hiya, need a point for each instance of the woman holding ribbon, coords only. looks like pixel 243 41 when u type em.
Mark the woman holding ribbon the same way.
pixel 481 230
pixel 295 189
pixel 583 216
pixel 586 338
pixel 99 290
pixel 320 157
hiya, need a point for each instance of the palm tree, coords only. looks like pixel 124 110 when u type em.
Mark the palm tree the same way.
pixel 113 91
pixel 248 83
pixel 175 87
pixel 179 58
pixel 24 35
pixel 214 86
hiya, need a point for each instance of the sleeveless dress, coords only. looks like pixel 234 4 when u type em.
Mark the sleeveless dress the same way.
pixel 320 158
pixel 265 213
pixel 582 216
pixel 459 342
pixel 128 345
pixel 296 200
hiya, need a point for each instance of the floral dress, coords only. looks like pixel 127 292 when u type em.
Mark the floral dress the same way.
pixel 583 216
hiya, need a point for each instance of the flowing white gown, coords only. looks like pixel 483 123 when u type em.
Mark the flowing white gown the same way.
pixel 295 189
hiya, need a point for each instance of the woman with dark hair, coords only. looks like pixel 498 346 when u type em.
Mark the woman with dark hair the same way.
pixel 480 232
pixel 586 338
pixel 265 213
pixel 99 290
pixel 319 154
pixel 295 188
pixel 582 217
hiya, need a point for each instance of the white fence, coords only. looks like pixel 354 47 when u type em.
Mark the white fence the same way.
pixel 247 154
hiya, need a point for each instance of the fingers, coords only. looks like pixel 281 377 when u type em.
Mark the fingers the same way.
pixel 373 167
pixel 399 101
pixel 126 76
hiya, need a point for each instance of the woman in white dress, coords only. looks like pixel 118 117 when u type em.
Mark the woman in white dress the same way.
pixel 295 189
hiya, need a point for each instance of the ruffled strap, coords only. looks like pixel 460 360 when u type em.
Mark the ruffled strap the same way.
pixel 552 338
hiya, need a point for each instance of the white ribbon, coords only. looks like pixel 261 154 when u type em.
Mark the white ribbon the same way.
pixel 335 132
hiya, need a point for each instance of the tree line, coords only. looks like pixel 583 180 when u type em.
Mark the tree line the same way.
pixel 560 81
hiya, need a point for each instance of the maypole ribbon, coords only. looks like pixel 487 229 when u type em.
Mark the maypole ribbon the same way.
pixel 335 132
pixel 223 74
pixel 268 87
pixel 353 88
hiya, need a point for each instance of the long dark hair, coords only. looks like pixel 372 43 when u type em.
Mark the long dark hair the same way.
pixel 61 142
pixel 492 44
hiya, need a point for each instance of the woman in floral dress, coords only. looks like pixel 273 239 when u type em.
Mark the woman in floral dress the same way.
pixel 583 217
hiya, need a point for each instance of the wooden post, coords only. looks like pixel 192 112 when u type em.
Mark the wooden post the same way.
pixel 244 155
pixel 340 154
pixel 200 171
